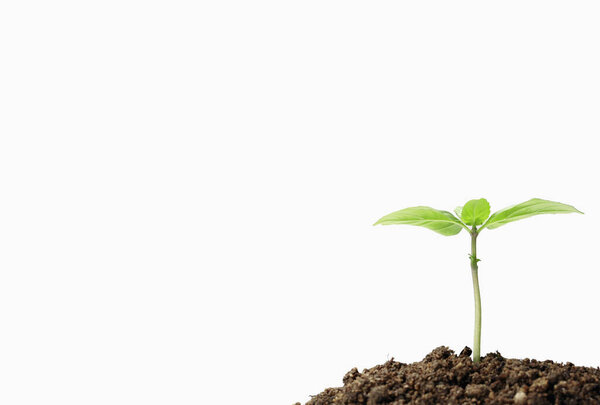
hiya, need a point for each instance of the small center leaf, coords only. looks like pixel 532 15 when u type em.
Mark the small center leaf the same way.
pixel 475 212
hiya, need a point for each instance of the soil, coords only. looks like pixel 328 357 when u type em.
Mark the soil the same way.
pixel 446 378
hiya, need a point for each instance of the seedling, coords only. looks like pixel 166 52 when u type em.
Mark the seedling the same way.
pixel 474 217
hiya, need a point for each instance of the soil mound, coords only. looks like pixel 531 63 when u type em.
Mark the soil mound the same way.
pixel 446 378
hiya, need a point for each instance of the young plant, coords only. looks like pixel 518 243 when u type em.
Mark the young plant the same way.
pixel 474 216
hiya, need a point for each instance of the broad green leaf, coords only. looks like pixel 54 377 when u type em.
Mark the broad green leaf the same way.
pixel 475 212
pixel 535 206
pixel 441 222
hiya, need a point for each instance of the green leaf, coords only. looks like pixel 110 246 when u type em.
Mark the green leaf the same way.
pixel 535 206
pixel 458 211
pixel 475 212
pixel 438 221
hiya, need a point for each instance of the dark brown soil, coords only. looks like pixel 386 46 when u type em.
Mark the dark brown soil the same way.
pixel 445 378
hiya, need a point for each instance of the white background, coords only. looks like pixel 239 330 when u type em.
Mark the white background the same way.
pixel 188 191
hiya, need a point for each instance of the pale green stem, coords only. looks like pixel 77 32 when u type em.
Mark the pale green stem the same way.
pixel 474 268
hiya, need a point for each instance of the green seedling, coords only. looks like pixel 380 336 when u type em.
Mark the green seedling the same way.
pixel 474 216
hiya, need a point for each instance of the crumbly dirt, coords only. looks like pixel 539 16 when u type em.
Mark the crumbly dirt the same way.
pixel 446 378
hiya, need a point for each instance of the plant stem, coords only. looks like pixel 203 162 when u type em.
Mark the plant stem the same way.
pixel 474 268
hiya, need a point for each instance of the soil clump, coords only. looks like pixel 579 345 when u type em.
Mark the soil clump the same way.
pixel 446 378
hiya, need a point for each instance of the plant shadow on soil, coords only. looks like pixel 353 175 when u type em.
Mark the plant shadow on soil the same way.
pixel 443 377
